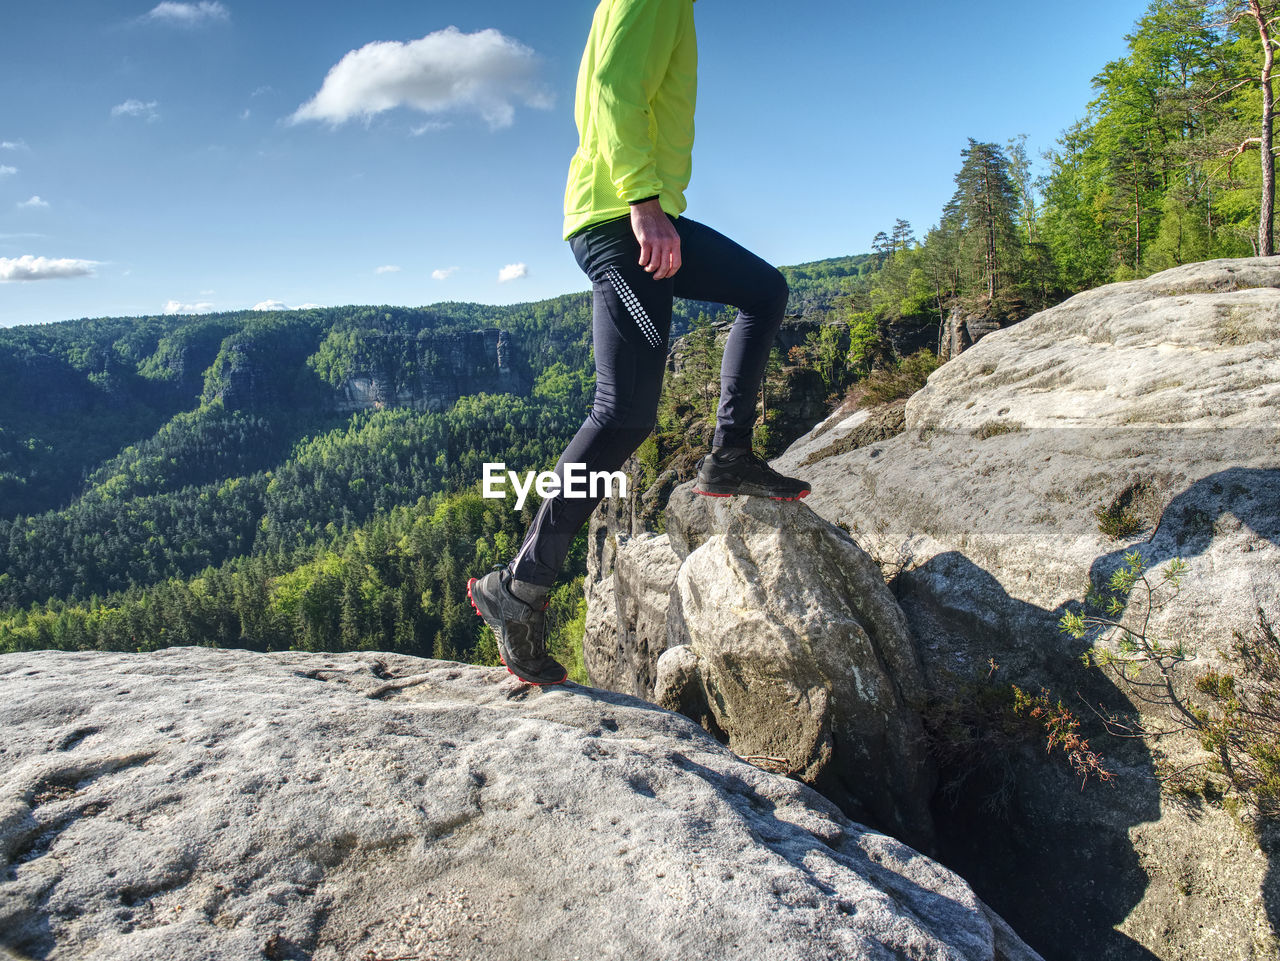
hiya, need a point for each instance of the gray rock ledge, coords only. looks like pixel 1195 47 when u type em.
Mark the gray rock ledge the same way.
pixel 212 804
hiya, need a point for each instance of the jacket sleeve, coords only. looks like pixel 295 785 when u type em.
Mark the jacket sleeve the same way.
pixel 636 49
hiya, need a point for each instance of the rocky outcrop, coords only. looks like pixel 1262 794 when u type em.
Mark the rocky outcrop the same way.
pixel 800 654
pixel 182 356
pixel 1156 401
pixel 245 375
pixel 221 805
pixel 1140 417
pixel 264 365
pixel 965 328
pixel 627 611
pixel 777 633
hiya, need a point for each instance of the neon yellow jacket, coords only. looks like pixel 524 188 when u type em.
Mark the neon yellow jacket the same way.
pixel 637 84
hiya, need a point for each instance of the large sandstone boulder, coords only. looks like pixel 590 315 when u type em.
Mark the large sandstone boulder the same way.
pixel 216 805
pixel 1140 417
pixel 775 632
pixel 783 635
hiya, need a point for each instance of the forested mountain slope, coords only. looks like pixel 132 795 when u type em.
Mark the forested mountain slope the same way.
pixel 329 444
pixel 136 451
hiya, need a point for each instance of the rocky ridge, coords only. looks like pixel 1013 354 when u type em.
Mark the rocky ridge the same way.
pixel 210 804
pixel 1157 401
pixel 1141 418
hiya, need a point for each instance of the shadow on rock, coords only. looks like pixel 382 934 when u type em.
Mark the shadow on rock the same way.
pixel 1054 858
pixel 1229 501
pixel 1242 507
pixel 1012 813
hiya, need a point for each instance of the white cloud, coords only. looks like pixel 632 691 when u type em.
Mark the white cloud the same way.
pixel 188 14
pixel 136 108
pixel 281 305
pixel 431 126
pixel 445 273
pixel 387 269
pixel 244 114
pixel 28 267
pixel 512 272
pixel 13 145
pixel 483 72
pixel 34 202
pixel 5 171
pixel 174 307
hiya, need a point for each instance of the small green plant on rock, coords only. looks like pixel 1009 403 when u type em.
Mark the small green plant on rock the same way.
pixel 1241 721
pixel 1062 730
pixel 1232 710
pixel 1116 619
pixel 994 428
pixel 1118 521
pixel 1118 623
pixel 1124 516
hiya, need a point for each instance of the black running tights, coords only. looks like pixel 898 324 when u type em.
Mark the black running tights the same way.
pixel 631 320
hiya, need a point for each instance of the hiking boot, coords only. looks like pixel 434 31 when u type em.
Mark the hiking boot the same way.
pixel 519 627
pixel 738 470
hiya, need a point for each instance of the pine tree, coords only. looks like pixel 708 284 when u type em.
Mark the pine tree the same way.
pixel 1261 15
pixel 982 212
pixel 902 238
pixel 882 247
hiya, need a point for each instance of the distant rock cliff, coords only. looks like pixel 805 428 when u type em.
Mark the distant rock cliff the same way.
pixel 964 329
pixel 362 369
pixel 212 805
pixel 433 370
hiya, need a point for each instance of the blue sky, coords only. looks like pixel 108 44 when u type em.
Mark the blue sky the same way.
pixel 201 156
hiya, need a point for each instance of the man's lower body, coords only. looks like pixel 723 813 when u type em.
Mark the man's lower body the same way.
pixel 631 321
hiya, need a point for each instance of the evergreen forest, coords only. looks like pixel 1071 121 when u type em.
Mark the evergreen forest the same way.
pixel 310 479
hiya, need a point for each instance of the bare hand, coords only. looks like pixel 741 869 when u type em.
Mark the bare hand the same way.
pixel 659 242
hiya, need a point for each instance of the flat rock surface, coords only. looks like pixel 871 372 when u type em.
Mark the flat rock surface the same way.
pixel 209 804
pixel 1196 346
